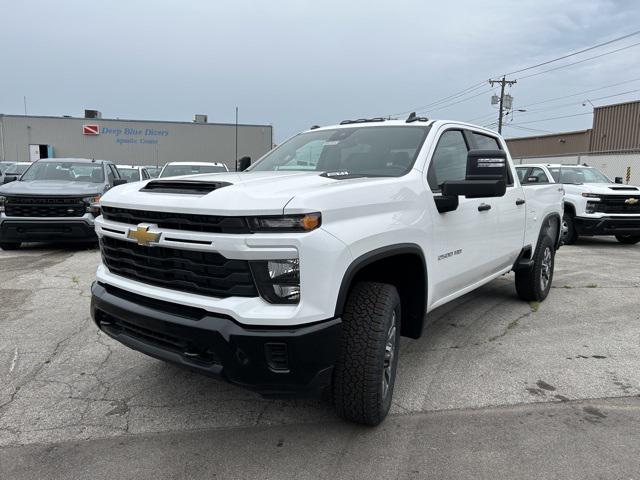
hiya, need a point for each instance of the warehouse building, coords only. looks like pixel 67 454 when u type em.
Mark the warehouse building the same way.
pixel 137 142
pixel 612 143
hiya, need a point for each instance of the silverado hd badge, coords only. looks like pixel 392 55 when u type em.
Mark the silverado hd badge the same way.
pixel 142 235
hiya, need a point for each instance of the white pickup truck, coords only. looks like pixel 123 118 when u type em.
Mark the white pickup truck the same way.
pixel 593 204
pixel 302 272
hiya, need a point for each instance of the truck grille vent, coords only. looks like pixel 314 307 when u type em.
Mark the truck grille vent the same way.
pixel 178 221
pixel 617 204
pixel 44 207
pixel 188 187
pixel 202 273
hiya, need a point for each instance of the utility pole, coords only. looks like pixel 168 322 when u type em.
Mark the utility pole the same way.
pixel 502 83
pixel 236 157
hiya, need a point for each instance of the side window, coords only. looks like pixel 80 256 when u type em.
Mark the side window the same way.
pixel 539 174
pixel 145 175
pixel 485 142
pixel 110 174
pixel 522 174
pixel 449 161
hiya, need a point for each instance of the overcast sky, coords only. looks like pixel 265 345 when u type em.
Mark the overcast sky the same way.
pixel 295 63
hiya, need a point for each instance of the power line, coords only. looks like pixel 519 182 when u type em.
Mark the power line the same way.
pixel 574 53
pixel 459 101
pixel 553 118
pixel 528 129
pixel 450 97
pixel 580 61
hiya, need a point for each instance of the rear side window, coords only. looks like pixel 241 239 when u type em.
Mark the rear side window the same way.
pixel 449 161
pixel 485 142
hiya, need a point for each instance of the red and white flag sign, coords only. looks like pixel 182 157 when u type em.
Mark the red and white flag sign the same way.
pixel 90 129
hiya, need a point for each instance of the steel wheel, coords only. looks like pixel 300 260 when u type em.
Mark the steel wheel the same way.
pixel 389 354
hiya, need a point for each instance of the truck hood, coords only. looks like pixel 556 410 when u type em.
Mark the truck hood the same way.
pixel 264 193
pixel 608 189
pixel 51 187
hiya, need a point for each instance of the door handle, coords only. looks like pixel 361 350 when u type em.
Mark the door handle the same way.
pixel 483 207
pixel 520 201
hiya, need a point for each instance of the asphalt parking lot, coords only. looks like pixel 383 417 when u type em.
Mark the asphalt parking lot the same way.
pixel 496 388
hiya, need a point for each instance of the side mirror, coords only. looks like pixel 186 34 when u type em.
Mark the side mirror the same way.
pixel 9 179
pixel 486 176
pixel 119 181
pixel 243 164
pixel 533 179
pixel 619 180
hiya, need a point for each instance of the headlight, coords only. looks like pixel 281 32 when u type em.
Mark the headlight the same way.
pixel 591 195
pixel 2 200
pixel 93 204
pixel 278 281
pixel 285 223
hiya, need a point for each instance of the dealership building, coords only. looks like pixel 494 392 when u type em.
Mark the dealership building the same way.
pixel 137 142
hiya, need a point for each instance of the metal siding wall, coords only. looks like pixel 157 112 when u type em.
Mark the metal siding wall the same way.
pixel 184 142
pixel 616 127
pixel 574 142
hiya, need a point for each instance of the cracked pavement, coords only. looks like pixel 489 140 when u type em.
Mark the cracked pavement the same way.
pixel 61 380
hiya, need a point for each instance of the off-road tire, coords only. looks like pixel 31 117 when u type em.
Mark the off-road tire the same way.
pixel 10 245
pixel 358 379
pixel 569 234
pixel 628 239
pixel 529 281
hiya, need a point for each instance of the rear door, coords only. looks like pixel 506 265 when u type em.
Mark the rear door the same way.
pixel 507 239
pixel 461 250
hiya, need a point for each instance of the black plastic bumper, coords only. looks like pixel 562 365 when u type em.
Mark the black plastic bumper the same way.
pixel 271 361
pixel 608 225
pixel 46 231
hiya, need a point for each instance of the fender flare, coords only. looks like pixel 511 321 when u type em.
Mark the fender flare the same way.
pixel 543 229
pixel 373 256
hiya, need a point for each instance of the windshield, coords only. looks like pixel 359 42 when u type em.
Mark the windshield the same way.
pixel 578 175
pixel 131 174
pixel 154 171
pixel 17 169
pixel 176 170
pixel 367 151
pixel 5 166
pixel 65 171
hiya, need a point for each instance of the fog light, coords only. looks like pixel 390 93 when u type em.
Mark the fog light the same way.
pixel 278 281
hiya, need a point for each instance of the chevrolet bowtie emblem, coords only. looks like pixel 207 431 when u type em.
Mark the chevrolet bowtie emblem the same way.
pixel 143 236
pixel 631 201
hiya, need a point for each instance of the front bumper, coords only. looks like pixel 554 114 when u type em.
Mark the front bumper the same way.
pixel 280 361
pixel 74 229
pixel 620 225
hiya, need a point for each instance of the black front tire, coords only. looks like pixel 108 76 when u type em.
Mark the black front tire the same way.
pixel 628 239
pixel 10 245
pixel 534 283
pixel 364 374
pixel 569 234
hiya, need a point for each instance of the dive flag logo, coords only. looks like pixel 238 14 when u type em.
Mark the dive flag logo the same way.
pixel 90 129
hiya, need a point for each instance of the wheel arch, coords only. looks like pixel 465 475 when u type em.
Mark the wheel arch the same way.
pixel 551 225
pixel 401 265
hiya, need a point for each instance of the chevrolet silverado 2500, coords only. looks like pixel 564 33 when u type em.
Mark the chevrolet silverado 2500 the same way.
pixel 302 272
pixel 593 204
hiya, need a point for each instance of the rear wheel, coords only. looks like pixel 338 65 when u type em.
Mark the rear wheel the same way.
pixel 628 239
pixel 569 234
pixel 365 371
pixel 10 245
pixel 534 283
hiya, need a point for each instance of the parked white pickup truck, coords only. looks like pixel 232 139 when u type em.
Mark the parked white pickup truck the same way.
pixel 593 204
pixel 302 272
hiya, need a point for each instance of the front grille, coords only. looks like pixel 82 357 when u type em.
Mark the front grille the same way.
pixel 203 273
pixel 45 207
pixel 617 204
pixel 177 221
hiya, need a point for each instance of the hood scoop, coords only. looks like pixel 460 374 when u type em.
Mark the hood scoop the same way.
pixel 185 187
pixel 623 188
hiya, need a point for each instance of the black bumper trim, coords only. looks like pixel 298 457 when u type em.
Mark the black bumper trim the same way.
pixel 608 225
pixel 46 231
pixel 221 348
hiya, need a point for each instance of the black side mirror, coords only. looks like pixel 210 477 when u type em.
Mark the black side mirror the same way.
pixel 119 181
pixel 619 180
pixel 486 176
pixel 533 179
pixel 10 178
pixel 243 164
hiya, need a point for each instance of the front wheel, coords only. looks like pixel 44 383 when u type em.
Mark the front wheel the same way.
pixel 534 283
pixel 365 372
pixel 628 239
pixel 569 234
pixel 10 245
